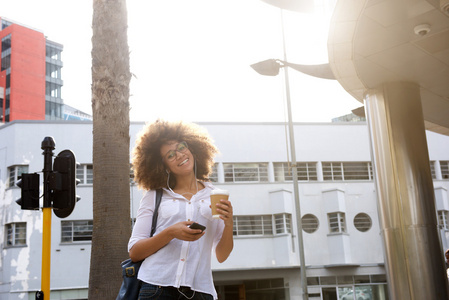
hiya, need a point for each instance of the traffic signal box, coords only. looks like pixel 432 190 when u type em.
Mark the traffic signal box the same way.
pixel 63 182
pixel 61 186
pixel 29 184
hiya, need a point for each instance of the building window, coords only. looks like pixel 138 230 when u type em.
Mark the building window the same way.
pixel 337 222
pixel 262 225
pixel 283 223
pixel 6 62
pixel 6 52
pixel 85 173
pixel 444 169
pixel 362 222
pixel 53 110
pixel 6 43
pixel 214 175
pixel 306 171
pixel 14 174
pixel 76 231
pixel 5 24
pixel 310 223
pixel 52 71
pixel 253 225
pixel 131 174
pixel 248 172
pixel 15 234
pixel 53 52
pixel 334 171
pixel 258 289
pixel 342 280
pixel 443 219
pixel 432 170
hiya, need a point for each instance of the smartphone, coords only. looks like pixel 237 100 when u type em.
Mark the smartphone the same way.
pixel 197 226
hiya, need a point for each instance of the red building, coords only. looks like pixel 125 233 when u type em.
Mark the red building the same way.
pixel 30 76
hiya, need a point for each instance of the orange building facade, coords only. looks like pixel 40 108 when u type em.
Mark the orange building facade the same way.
pixel 30 80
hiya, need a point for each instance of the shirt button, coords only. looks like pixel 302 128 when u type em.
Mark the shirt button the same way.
pixel 182 259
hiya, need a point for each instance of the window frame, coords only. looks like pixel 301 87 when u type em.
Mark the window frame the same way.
pixel 73 237
pixel 246 172
pixel 443 219
pixel 310 223
pixel 444 166
pixel 338 218
pixel 344 171
pixel 253 225
pixel 360 224
pixel 85 177
pixel 213 176
pixel 432 169
pixel 262 225
pixel 283 227
pixel 306 171
pixel 14 172
pixel 13 230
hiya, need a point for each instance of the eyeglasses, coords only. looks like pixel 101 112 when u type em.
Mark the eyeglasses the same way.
pixel 181 148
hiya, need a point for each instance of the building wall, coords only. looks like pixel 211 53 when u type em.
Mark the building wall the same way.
pixel 256 259
pixel 27 98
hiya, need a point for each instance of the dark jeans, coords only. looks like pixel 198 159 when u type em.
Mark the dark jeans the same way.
pixel 152 292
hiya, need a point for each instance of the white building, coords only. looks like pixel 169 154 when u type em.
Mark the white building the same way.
pixel 343 247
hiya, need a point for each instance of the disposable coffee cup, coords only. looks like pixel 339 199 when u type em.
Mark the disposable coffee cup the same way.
pixel 215 197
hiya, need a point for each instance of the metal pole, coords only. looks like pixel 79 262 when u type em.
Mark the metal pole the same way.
pixel 302 261
pixel 296 190
pixel 48 145
pixel 406 200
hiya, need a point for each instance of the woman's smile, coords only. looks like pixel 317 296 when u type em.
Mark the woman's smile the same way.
pixel 183 162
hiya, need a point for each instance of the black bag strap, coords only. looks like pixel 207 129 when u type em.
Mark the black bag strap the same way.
pixel 156 209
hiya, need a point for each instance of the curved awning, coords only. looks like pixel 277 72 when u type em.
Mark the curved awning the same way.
pixel 376 41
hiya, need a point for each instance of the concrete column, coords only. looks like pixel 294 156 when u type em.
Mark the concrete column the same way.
pixel 319 171
pixel 220 173
pixel 409 228
pixel 438 175
pixel 271 172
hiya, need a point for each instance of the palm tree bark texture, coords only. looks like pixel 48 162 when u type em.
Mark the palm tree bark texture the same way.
pixel 111 186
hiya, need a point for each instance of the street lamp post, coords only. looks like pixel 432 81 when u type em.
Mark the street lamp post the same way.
pixel 271 67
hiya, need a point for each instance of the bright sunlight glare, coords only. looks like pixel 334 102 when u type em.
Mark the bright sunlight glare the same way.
pixel 191 60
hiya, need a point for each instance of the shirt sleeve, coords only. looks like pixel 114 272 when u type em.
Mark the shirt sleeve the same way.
pixel 144 219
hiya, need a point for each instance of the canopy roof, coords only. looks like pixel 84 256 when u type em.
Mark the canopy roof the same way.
pixel 376 41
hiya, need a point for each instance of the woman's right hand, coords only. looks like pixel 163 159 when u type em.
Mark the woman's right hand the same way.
pixel 181 231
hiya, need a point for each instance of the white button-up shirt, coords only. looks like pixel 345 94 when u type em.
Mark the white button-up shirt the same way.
pixel 179 263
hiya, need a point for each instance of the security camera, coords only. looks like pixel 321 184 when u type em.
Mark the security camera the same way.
pixel 422 29
pixel 444 6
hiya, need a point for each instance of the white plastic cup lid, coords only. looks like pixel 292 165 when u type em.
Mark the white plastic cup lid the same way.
pixel 219 192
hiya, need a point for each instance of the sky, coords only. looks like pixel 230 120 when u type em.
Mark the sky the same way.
pixel 190 60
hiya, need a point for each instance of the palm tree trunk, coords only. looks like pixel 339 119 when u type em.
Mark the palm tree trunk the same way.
pixel 110 107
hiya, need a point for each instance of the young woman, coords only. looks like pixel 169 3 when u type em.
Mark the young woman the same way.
pixel 177 157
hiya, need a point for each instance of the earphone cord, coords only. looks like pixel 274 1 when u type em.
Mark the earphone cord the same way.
pixel 168 185
pixel 186 295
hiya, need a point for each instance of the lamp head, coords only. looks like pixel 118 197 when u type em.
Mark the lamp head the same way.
pixel 269 67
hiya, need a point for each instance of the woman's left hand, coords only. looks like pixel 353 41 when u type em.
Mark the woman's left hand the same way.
pixel 224 208
pixel 226 244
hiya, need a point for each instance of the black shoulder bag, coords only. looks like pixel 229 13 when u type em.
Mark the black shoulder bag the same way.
pixel 131 285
